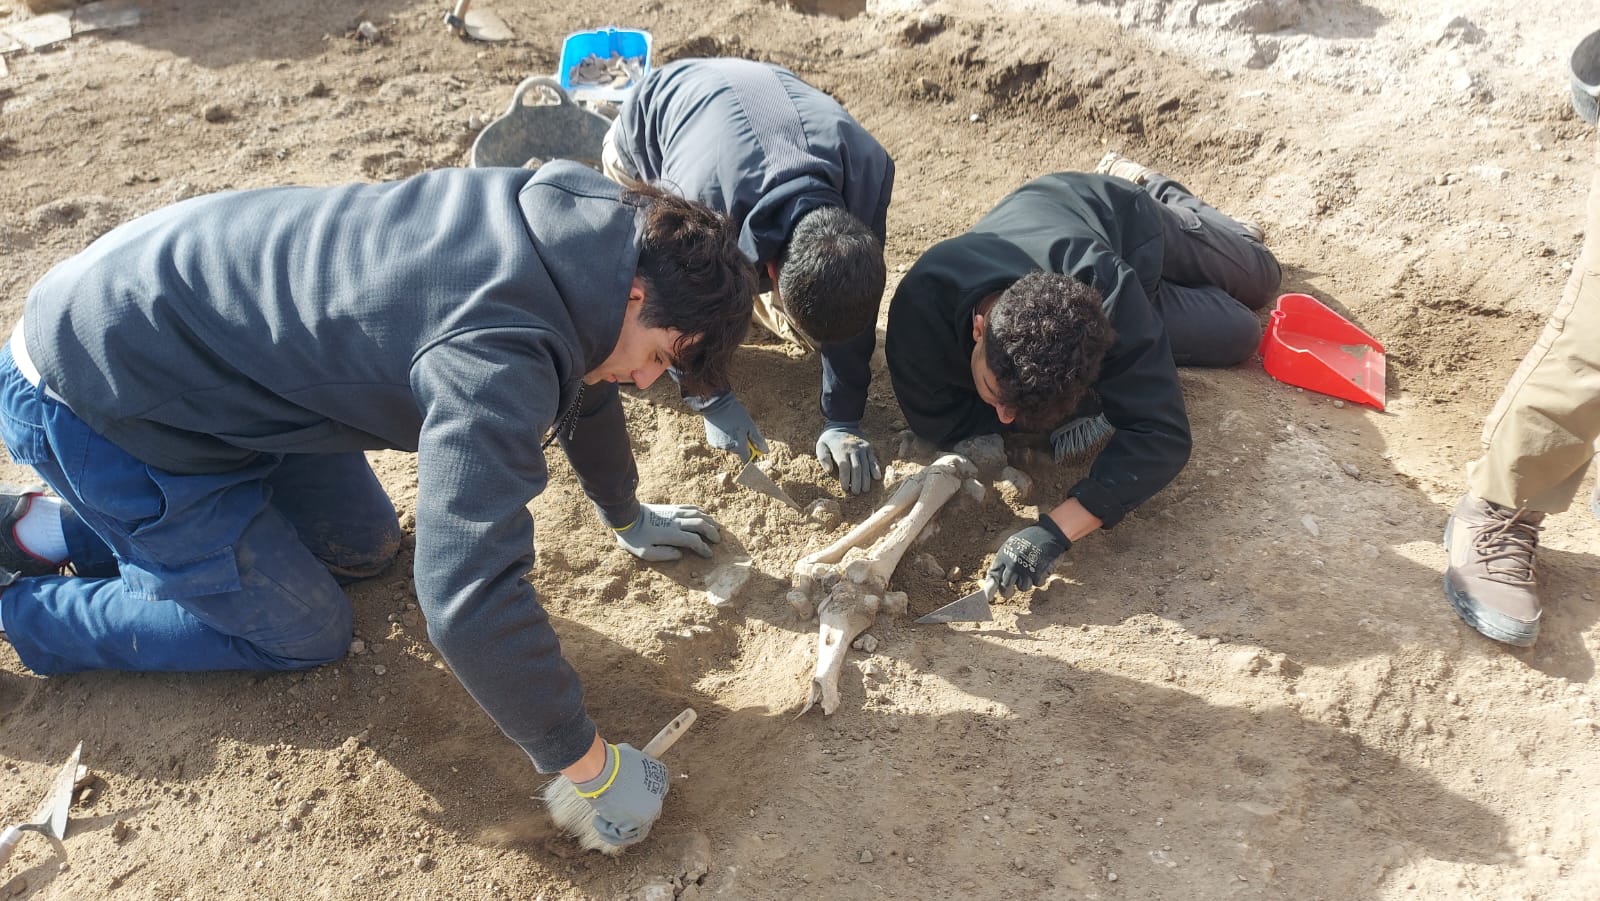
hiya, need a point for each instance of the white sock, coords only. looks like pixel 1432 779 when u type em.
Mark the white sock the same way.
pixel 39 530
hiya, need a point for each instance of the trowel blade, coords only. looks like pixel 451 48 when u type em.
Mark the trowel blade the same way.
pixel 53 812
pixel 751 476
pixel 482 25
pixel 974 608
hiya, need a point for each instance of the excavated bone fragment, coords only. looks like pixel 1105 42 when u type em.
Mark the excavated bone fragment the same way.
pixel 853 572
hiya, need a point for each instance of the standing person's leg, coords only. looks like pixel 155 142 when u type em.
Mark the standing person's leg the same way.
pixel 1539 438
pixel 1538 441
pixel 212 576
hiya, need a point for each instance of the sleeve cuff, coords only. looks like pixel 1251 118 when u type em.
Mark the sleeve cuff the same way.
pixel 620 516
pixel 1098 499
pixel 564 745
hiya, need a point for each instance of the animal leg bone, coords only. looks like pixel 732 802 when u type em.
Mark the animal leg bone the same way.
pixel 847 612
pixel 855 573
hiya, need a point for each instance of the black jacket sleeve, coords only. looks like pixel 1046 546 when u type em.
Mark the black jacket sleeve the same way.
pixel 1142 398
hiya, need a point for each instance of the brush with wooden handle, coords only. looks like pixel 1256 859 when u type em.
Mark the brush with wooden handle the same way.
pixel 575 816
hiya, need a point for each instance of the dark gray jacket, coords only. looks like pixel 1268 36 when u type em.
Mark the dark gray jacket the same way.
pixel 754 141
pixel 452 314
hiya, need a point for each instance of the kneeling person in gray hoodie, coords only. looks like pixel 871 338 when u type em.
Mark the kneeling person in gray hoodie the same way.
pixel 199 386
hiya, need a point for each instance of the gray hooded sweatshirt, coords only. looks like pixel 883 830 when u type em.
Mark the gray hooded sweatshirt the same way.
pixel 452 314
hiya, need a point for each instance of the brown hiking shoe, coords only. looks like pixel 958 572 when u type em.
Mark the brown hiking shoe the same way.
pixel 1490 576
pixel 1116 165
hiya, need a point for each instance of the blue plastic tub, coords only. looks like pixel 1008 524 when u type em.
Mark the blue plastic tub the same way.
pixel 603 42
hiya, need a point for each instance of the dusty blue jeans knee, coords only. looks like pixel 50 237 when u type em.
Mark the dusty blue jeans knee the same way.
pixel 234 570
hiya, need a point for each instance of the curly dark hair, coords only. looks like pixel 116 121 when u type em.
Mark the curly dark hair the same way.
pixel 1044 340
pixel 696 281
pixel 831 276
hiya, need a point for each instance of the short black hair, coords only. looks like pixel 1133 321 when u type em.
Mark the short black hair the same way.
pixel 1044 339
pixel 696 281
pixel 831 276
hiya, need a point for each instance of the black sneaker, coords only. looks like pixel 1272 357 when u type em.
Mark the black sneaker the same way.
pixel 13 558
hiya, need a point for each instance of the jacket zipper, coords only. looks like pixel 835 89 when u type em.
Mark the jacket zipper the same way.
pixel 569 420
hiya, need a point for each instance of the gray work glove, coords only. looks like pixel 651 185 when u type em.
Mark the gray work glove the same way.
pixel 627 794
pixel 662 529
pixel 1026 558
pixel 730 428
pixel 842 446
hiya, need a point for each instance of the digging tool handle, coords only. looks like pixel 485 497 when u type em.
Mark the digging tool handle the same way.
pixel 8 841
pixel 670 733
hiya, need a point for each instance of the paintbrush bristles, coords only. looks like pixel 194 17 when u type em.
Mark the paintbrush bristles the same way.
pixel 574 816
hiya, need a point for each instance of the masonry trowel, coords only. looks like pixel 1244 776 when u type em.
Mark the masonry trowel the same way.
pixel 50 820
pixel 751 476
pixel 974 608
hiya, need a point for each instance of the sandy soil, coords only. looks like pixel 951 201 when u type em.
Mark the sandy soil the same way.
pixel 1251 689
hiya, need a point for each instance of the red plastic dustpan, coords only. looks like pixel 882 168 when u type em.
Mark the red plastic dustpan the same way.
pixel 1311 346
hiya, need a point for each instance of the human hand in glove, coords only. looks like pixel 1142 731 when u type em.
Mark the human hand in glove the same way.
pixel 730 428
pixel 1025 559
pixel 662 529
pixel 842 446
pixel 627 794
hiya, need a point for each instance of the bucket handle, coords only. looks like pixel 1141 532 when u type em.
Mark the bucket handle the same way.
pixel 539 81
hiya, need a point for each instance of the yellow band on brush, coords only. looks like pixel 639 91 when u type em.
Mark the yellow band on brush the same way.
pixel 616 766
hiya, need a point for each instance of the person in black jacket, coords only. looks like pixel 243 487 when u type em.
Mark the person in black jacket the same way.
pixel 1068 308
pixel 809 189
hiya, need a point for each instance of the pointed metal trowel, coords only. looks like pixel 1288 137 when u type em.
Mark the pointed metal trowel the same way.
pixel 751 477
pixel 50 820
pixel 974 608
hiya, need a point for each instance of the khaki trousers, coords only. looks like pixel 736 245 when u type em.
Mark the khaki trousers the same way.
pixel 1540 436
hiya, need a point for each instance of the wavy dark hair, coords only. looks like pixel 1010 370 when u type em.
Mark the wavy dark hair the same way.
pixel 696 281
pixel 831 276
pixel 1044 340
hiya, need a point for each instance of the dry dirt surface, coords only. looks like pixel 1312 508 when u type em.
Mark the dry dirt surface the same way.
pixel 1253 688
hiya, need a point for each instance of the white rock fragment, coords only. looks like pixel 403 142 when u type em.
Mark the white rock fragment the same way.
pixel 865 643
pixel 1014 485
pixel 1350 470
pixel 657 890
pixel 1490 173
pixel 824 511
pixel 1311 526
pixel 368 32
pixel 357 647
pixel 725 583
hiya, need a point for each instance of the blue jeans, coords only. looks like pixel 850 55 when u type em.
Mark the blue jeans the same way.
pixel 232 570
